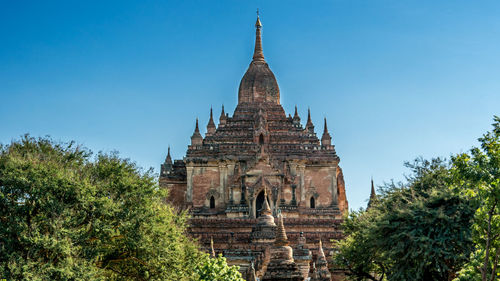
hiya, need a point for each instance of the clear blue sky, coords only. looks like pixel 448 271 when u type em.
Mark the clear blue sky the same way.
pixel 395 79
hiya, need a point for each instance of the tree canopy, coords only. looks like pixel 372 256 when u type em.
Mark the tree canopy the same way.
pixel 67 215
pixel 477 177
pixel 216 269
pixel 414 231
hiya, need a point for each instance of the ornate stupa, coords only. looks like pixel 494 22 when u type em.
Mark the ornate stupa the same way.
pixel 282 266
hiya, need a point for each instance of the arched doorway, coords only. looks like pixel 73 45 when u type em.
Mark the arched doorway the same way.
pixel 312 203
pixel 258 203
pixel 212 202
pixel 261 139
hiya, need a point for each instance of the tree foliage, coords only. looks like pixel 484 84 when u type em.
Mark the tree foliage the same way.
pixel 65 215
pixel 415 231
pixel 477 177
pixel 216 269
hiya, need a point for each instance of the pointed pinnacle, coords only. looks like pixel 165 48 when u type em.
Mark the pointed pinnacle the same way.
pixel 266 210
pixel 309 124
pixel 258 24
pixel 372 193
pixel 222 114
pixel 281 239
pixel 258 54
pixel 197 129
pixel 169 158
pixel 321 253
pixel 212 251
pixel 373 196
pixel 211 124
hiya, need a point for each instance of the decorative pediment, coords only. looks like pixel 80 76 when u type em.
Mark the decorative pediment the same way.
pixel 214 193
pixel 263 167
pixel 311 192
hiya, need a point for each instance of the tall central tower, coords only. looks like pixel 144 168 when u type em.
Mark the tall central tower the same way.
pixel 258 155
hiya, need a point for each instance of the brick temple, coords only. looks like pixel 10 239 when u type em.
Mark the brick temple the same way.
pixel 262 189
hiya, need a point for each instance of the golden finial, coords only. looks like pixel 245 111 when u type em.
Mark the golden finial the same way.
pixel 258 24
pixel 258 54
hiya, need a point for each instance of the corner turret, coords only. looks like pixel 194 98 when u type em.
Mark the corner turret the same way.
pixel 211 125
pixel 222 118
pixel 296 118
pixel 309 124
pixel 196 138
pixel 166 167
pixel 326 139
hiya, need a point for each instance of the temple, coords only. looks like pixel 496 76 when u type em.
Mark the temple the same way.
pixel 262 189
pixel 373 197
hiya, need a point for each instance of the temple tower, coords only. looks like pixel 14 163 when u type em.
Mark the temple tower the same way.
pixel 252 165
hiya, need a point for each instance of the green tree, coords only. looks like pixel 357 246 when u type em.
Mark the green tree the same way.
pixel 477 177
pixel 65 215
pixel 216 269
pixel 416 231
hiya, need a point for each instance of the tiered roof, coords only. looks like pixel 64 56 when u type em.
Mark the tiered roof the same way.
pixel 260 122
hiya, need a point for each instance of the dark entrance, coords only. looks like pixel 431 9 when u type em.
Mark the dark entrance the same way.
pixel 259 202
pixel 261 139
pixel 212 202
pixel 312 203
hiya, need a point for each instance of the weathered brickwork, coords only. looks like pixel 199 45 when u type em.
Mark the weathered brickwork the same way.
pixel 261 158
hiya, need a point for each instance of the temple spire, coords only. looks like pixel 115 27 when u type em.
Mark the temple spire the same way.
pixel 281 239
pixel 321 253
pixel 258 85
pixel 296 118
pixel 373 196
pixel 168 160
pixel 326 139
pixel 167 166
pixel 258 54
pixel 266 210
pixel 223 117
pixel 211 125
pixel 309 124
pixel 196 138
pixel 321 271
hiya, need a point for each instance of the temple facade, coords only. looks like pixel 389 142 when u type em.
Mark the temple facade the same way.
pixel 256 165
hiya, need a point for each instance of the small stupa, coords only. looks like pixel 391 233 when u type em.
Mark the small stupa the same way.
pixel 282 266
pixel 265 229
pixel 321 272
